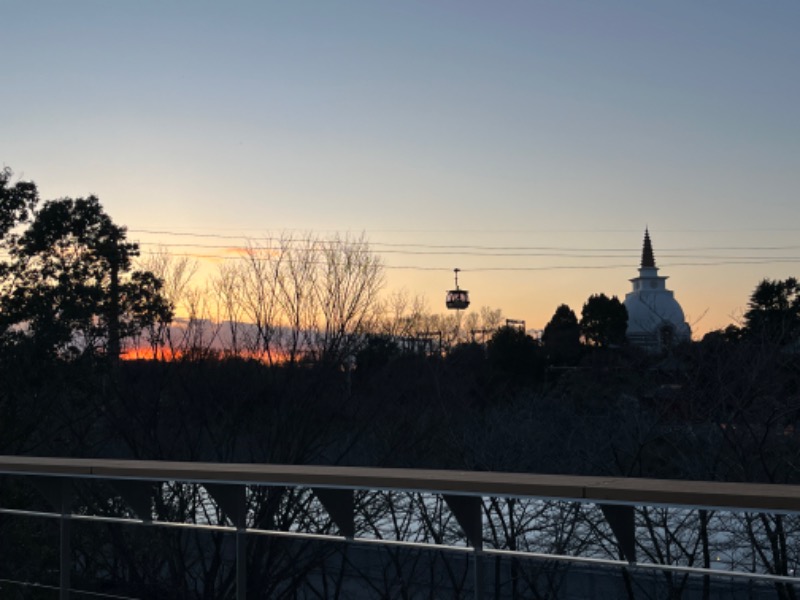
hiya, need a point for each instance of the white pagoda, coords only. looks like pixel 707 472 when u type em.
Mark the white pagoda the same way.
pixel 655 319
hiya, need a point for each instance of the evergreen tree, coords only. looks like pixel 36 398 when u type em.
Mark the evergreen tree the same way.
pixel 562 336
pixel 774 311
pixel 514 354
pixel 70 285
pixel 17 202
pixel 604 321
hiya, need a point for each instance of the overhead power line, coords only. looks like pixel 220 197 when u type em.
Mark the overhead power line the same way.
pixel 297 240
pixel 693 256
pixel 630 254
pixel 453 247
pixel 755 261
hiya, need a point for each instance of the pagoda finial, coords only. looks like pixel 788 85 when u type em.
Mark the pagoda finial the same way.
pixel 648 260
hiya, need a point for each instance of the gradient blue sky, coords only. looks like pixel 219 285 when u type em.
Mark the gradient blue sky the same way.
pixel 564 125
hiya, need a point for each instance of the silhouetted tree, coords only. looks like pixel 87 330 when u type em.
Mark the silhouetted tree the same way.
pixel 348 284
pixel 774 311
pixel 176 273
pixel 513 353
pixel 562 336
pixel 729 334
pixel 376 352
pixel 604 321
pixel 17 201
pixel 70 285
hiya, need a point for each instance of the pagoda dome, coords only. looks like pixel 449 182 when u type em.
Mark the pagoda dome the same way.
pixel 655 319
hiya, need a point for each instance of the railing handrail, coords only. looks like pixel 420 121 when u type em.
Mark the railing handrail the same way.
pixel 606 490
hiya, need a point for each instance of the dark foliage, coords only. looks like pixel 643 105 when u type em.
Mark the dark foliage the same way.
pixel 17 202
pixel 70 288
pixel 514 355
pixel 604 321
pixel 562 337
pixel 774 311
pixel 726 408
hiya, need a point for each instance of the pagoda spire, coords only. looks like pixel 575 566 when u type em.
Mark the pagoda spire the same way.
pixel 648 260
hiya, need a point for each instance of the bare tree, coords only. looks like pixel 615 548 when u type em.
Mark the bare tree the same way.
pixel 348 286
pixel 199 336
pixel 228 291
pixel 176 273
pixel 260 276
pixel 296 283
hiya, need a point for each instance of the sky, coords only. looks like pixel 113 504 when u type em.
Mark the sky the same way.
pixel 528 143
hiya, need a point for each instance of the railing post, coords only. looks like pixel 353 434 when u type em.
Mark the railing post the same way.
pixel 233 501
pixel 479 583
pixel 57 491
pixel 241 561
pixel 65 546
pixel 468 512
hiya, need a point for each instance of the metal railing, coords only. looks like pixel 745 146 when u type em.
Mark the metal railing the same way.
pixel 227 485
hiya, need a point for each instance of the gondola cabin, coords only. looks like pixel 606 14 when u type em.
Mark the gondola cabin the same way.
pixel 457 299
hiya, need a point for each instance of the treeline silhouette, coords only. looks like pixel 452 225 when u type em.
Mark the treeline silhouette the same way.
pixel 292 357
